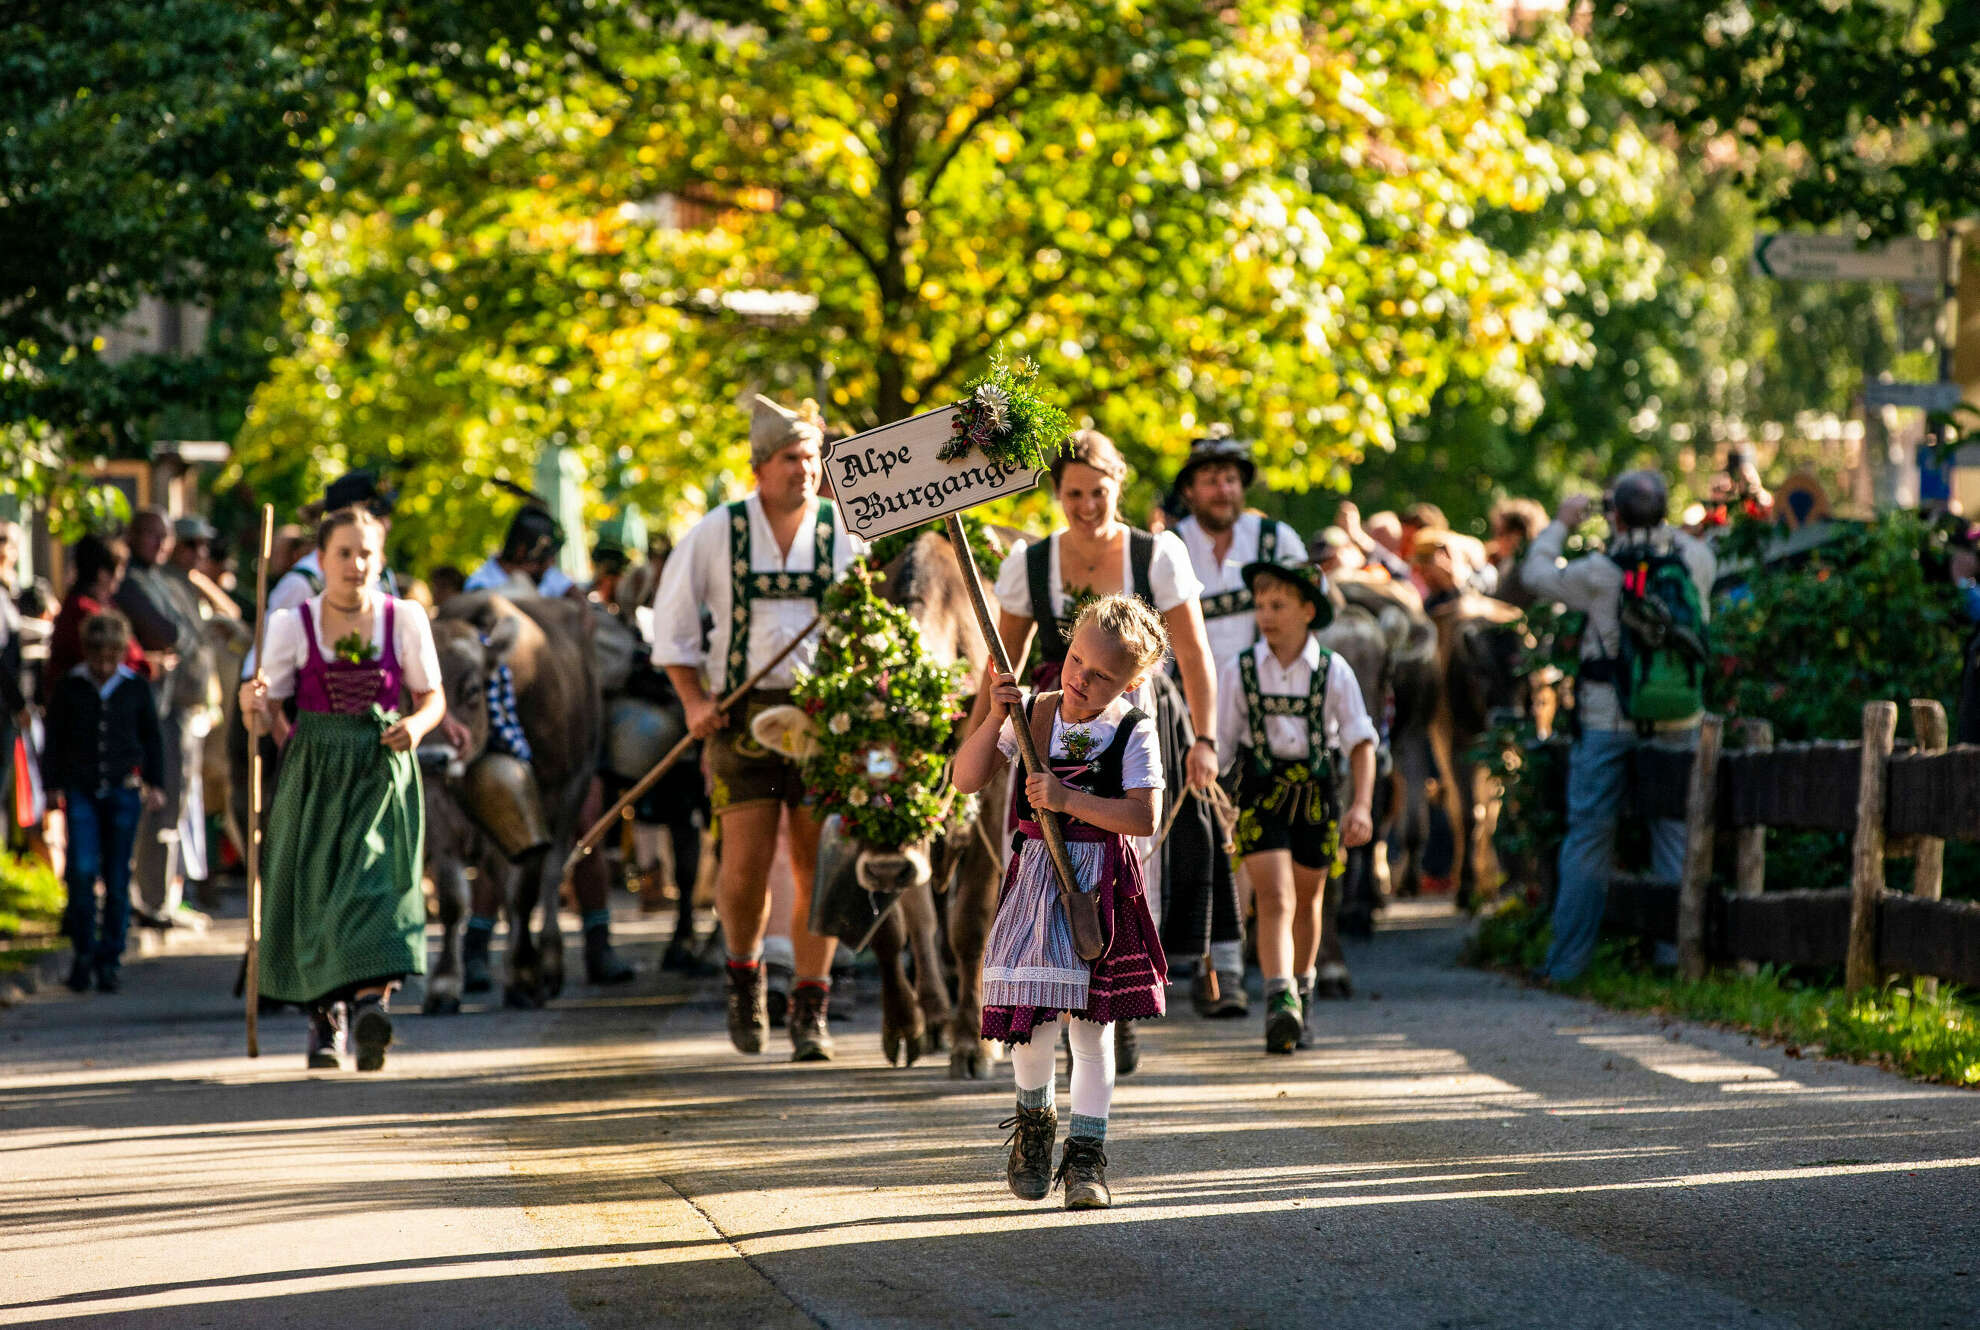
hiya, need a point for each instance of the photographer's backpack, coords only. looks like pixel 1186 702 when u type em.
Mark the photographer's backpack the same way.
pixel 1660 671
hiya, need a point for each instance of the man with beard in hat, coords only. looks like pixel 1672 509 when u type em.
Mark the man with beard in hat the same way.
pixel 1222 540
pixel 760 566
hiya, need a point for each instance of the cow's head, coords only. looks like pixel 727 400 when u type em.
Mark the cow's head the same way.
pixel 469 653
pixel 789 731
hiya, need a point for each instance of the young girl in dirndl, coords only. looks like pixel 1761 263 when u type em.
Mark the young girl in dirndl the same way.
pixel 1104 783
pixel 343 920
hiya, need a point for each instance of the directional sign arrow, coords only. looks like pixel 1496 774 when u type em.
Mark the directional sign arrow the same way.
pixel 1923 396
pixel 1817 258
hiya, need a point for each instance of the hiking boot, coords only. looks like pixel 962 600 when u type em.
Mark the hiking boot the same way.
pixel 1305 1013
pixel 326 1037
pixel 602 962
pixel 1202 995
pixel 79 975
pixel 371 1032
pixel 1233 1003
pixel 476 977
pixel 1083 1170
pixel 778 979
pixel 1333 981
pixel 1282 1021
pixel 108 979
pixel 811 1041
pixel 748 1022
pixel 1029 1171
pixel 1127 1048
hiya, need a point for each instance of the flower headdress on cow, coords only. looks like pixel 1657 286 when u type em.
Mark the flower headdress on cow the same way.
pixel 879 712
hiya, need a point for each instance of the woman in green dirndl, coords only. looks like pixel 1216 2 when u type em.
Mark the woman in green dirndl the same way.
pixel 343 920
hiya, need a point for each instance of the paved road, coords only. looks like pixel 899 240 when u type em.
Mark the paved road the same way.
pixel 1458 1152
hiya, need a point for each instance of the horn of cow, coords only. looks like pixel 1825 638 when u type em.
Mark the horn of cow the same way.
pixel 603 827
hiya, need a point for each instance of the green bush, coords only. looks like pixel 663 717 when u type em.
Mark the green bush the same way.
pixel 1863 618
pixel 31 896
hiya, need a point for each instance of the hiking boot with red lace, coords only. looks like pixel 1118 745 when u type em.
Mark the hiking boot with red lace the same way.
pixel 1083 1170
pixel 749 1022
pixel 1029 1171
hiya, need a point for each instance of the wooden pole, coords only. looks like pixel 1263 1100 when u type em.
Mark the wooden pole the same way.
pixel 1701 820
pixel 1867 862
pixel 1048 821
pixel 1928 723
pixel 1751 842
pixel 603 826
pixel 253 983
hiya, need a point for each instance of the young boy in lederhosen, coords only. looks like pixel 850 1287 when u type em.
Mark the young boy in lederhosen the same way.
pixel 1287 710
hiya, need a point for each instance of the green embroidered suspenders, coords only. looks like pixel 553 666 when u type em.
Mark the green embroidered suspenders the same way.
pixel 747 586
pixel 1238 601
pixel 1312 709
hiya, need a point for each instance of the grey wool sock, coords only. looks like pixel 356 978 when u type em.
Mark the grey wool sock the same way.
pixel 1082 1125
pixel 1039 1098
pixel 1277 986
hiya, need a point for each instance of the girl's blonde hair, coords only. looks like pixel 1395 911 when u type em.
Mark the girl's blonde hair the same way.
pixel 1135 627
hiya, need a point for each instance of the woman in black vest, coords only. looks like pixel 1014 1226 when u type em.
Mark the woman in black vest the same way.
pixel 1043 586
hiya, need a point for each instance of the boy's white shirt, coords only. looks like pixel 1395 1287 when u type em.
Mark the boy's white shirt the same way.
pixel 1344 716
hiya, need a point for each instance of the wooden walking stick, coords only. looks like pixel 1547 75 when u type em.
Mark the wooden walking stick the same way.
pixel 603 826
pixel 1086 940
pixel 253 984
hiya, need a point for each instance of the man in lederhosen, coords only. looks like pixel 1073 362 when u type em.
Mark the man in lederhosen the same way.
pixel 1222 538
pixel 760 566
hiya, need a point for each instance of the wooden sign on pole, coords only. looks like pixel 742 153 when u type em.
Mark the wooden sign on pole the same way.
pixel 892 478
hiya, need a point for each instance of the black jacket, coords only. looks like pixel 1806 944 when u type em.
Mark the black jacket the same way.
pixel 95 743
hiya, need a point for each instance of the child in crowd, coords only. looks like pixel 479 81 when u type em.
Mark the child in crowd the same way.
pixel 1285 709
pixel 1105 782
pixel 105 763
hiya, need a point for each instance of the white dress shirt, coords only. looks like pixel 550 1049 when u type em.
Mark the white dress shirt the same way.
pixel 1232 633
pixel 1344 716
pixel 1169 577
pixel 699 576
pixel 412 633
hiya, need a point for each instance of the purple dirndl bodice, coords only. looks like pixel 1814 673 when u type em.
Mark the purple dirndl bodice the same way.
pixel 342 688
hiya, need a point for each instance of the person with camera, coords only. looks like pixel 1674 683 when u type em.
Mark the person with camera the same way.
pixel 1642 677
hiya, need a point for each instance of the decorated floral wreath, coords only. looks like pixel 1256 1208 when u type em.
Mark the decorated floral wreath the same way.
pixel 882 712
pixel 1003 418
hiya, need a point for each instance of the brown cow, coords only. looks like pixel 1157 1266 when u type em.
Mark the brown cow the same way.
pixel 547 645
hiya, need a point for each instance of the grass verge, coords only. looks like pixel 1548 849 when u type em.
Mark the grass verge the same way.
pixel 1935 1038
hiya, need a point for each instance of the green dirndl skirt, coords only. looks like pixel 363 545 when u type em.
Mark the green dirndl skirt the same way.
pixel 341 899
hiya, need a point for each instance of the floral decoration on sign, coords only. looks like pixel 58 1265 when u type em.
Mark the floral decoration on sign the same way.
pixel 354 650
pixel 1002 417
pixel 883 712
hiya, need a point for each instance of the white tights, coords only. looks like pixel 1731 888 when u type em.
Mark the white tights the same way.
pixel 1093 1064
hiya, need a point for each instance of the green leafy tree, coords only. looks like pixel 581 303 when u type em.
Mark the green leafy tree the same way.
pixel 1867 111
pixel 1185 214
pixel 143 147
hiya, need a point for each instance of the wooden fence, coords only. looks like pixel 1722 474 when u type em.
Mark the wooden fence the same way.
pixel 1896 804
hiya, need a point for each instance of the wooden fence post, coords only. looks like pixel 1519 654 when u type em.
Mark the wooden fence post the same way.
pixel 1751 843
pixel 1866 881
pixel 1701 820
pixel 1928 723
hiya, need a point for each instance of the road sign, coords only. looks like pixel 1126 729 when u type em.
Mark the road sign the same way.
pixel 892 478
pixel 1923 396
pixel 1818 258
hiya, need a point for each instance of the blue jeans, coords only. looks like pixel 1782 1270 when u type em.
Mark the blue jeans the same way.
pixel 102 830
pixel 1598 778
